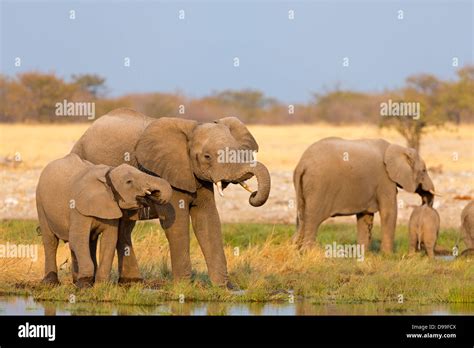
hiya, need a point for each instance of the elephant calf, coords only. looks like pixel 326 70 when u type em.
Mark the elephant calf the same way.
pixel 423 229
pixel 76 201
pixel 467 228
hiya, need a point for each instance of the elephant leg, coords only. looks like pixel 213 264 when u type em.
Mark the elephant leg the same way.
pixel 207 228
pixel 93 252
pixel 298 237
pixel 388 219
pixel 313 216
pixel 50 242
pixel 365 222
pixel 74 267
pixel 79 240
pixel 176 226
pixel 412 243
pixel 127 262
pixel 430 245
pixel 108 242
pixel 430 250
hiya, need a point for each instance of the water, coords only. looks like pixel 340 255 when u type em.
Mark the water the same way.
pixel 15 305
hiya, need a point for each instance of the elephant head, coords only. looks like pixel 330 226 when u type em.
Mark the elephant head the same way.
pixel 103 192
pixel 408 170
pixel 183 152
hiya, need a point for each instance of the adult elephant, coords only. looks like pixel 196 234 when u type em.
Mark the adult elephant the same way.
pixel 337 177
pixel 188 155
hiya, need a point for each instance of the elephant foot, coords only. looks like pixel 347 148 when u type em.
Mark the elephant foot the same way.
pixel 101 280
pixel 123 280
pixel 51 279
pixel 85 282
pixel 307 246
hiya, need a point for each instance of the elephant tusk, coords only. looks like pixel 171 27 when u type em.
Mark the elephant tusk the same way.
pixel 219 188
pixel 245 186
pixel 435 194
pixel 148 192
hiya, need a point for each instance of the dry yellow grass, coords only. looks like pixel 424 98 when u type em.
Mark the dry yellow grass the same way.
pixel 38 144
pixel 267 266
pixel 280 146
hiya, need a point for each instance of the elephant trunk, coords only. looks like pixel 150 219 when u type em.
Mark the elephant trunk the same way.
pixel 426 190
pixel 159 190
pixel 259 197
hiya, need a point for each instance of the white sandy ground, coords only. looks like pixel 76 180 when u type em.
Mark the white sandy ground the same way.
pixel 17 199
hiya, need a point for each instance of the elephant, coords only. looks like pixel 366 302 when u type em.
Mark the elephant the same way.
pixel 77 200
pixel 339 177
pixel 467 228
pixel 191 157
pixel 423 230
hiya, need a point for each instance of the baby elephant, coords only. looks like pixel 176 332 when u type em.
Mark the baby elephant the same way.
pixel 423 229
pixel 77 201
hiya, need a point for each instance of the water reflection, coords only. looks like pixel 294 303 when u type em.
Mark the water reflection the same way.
pixel 27 306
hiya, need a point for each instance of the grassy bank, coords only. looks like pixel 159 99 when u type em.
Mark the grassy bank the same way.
pixel 265 265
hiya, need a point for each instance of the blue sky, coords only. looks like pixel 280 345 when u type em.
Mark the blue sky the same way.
pixel 286 59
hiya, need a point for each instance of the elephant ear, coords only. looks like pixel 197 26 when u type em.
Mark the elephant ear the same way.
pixel 399 162
pixel 239 132
pixel 94 198
pixel 163 149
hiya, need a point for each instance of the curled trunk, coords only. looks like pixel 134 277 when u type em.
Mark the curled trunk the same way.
pixel 259 197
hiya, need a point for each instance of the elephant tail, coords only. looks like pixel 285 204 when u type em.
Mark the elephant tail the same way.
pixel 300 204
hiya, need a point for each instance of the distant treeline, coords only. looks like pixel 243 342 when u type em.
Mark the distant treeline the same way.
pixel 33 96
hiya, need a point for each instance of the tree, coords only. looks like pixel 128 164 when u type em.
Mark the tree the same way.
pixel 440 102
pixel 341 106
pixel 91 83
pixel 247 104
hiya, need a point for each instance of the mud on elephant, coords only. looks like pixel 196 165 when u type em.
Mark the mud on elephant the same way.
pixel 186 154
pixel 337 177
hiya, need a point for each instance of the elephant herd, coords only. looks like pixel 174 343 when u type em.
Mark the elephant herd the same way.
pixel 128 167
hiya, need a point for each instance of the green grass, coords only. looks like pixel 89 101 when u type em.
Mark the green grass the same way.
pixel 268 268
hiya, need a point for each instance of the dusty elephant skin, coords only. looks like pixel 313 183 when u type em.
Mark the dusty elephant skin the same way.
pixel 77 201
pixel 186 154
pixel 467 228
pixel 423 229
pixel 337 177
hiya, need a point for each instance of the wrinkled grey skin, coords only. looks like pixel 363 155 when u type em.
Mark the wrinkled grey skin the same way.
pixel 76 203
pixel 185 153
pixel 467 228
pixel 423 230
pixel 337 177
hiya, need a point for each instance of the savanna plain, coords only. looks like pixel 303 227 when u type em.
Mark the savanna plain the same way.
pixel 262 261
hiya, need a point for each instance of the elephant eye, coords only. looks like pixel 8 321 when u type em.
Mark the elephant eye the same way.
pixel 207 156
pixel 129 181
